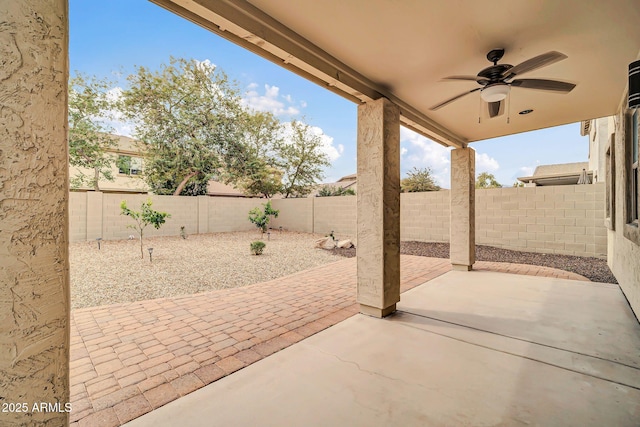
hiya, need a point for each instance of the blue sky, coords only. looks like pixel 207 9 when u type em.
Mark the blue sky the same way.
pixel 109 38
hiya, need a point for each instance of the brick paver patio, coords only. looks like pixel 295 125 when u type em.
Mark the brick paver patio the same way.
pixel 128 359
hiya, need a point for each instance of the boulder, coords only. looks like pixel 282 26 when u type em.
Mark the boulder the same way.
pixel 346 244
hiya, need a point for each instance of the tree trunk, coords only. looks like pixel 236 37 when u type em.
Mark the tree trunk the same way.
pixel 141 250
pixel 183 183
pixel 96 178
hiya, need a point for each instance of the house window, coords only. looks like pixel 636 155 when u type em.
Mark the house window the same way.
pixel 128 165
pixel 631 206
pixel 610 176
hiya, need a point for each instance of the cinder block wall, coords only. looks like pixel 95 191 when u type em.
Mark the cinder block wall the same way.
pixel 559 219
pixel 295 214
pixel 566 219
pixel 231 213
pixel 336 213
pixel 77 216
pixel 424 217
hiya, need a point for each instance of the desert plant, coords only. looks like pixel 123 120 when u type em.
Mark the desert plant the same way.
pixel 183 233
pixel 261 217
pixel 144 217
pixel 257 247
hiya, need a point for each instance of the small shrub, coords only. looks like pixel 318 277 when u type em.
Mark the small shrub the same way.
pixel 257 247
pixel 183 233
pixel 261 217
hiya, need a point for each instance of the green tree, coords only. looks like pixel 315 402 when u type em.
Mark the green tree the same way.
pixel 262 217
pixel 144 217
pixel 330 190
pixel 186 116
pixel 251 161
pixel 301 160
pixel 89 136
pixel 487 180
pixel 518 184
pixel 419 180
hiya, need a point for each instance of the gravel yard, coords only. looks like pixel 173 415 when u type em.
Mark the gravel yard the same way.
pixel 200 263
pixel 594 269
pixel 206 262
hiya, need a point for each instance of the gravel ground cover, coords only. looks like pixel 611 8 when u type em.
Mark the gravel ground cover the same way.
pixel 116 273
pixel 594 269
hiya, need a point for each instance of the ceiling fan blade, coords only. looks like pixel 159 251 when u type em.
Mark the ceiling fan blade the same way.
pixel 542 84
pixel 450 100
pixel 471 78
pixel 535 63
pixel 494 108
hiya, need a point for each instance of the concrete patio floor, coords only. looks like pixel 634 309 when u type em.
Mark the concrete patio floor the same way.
pixel 466 348
pixel 129 359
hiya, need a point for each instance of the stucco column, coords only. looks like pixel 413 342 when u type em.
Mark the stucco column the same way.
pixel 378 207
pixel 463 209
pixel 34 217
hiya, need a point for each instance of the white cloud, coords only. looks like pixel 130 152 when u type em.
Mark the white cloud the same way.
pixel 420 152
pixel 327 147
pixel 114 119
pixel 270 101
pixel 485 163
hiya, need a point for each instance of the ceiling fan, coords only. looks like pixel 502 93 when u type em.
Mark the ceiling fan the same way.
pixel 496 80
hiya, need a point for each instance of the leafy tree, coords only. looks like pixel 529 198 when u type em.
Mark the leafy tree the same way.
pixel 144 217
pixel 419 180
pixel 186 116
pixel 301 160
pixel 261 217
pixel 89 136
pixel 330 190
pixel 518 184
pixel 251 161
pixel 487 180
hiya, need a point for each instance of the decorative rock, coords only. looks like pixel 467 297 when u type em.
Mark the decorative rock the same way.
pixel 346 244
pixel 329 243
pixel 321 242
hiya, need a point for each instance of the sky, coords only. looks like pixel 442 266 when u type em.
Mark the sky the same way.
pixel 108 39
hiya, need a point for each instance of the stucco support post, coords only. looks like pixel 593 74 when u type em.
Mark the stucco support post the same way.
pixel 463 209
pixel 34 217
pixel 378 207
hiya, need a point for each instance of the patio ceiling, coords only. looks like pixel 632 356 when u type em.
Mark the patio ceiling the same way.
pixel 365 49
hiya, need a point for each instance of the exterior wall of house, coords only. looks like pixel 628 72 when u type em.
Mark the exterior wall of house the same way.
pixel 598 137
pixel 34 216
pixel 623 250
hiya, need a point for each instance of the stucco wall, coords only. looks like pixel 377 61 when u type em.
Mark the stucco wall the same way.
pixel 34 269
pixel 624 254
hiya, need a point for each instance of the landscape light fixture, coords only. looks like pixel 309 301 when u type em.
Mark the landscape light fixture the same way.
pixel 281 229
pixel 98 239
pixel 495 92
pixel 150 252
pixel 268 235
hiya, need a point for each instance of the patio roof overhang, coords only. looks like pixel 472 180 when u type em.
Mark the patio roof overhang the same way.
pixel 365 50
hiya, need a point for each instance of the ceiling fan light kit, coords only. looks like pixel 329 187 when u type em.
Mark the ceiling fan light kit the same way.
pixel 496 80
pixel 495 93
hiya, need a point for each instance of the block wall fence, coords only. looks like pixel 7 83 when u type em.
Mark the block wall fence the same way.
pixel 565 219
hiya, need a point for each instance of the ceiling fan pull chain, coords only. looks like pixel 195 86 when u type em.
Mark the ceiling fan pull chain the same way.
pixel 509 107
pixel 479 109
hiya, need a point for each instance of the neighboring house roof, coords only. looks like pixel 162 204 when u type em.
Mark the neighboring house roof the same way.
pixel 215 188
pixel 557 174
pixel 352 177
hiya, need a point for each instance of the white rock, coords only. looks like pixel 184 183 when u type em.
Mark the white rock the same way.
pixel 345 244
